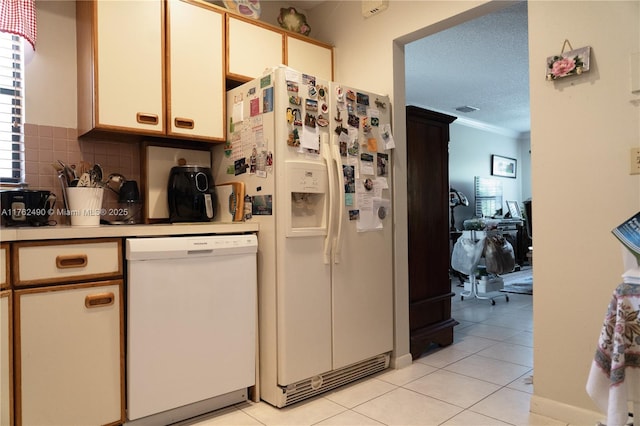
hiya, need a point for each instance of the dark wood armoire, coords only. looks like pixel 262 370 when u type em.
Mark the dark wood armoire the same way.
pixel 430 292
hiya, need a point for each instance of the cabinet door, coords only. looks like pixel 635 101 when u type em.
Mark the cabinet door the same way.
pixel 129 64
pixel 69 346
pixel 6 364
pixel 4 266
pixel 310 56
pixel 196 87
pixel 251 47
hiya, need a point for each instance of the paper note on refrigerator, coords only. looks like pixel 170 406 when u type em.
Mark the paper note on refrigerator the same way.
pixel 374 116
pixel 371 219
pixel 310 138
pixel 366 164
pixel 238 112
pixel 387 137
pixel 364 194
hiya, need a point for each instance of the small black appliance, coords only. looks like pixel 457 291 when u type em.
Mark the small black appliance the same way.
pixel 191 193
pixel 26 207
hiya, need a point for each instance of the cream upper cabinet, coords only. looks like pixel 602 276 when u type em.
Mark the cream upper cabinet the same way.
pixel 251 47
pixel 196 73
pixel 151 67
pixel 120 66
pixel 310 56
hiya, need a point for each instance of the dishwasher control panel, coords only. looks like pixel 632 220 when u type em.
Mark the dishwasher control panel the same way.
pixel 216 243
pixel 205 245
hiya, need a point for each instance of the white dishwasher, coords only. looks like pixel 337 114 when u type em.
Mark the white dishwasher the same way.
pixel 191 325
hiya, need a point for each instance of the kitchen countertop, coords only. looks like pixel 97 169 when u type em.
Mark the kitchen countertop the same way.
pixel 138 230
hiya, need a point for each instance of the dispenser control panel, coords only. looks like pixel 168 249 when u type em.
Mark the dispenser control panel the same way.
pixel 307 183
pixel 307 180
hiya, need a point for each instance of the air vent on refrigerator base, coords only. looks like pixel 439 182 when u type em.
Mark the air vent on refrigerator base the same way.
pixel 316 385
pixel 373 7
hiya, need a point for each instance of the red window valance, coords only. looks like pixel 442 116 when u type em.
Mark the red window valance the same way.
pixel 19 17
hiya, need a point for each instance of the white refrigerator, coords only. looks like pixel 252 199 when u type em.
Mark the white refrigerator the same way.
pixel 314 158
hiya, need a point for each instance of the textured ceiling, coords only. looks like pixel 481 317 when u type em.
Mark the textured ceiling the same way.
pixel 482 63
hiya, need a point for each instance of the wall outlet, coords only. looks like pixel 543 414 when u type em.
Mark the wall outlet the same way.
pixel 634 161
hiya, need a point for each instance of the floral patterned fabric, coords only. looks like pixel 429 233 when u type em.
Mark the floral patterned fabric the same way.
pixel 614 379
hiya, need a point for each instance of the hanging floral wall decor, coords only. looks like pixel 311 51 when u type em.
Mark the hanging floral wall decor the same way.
pixel 573 62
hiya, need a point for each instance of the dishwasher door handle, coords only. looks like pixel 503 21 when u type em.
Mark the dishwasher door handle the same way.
pixel 205 251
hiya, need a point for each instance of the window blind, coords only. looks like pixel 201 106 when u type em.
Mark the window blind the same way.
pixel 488 196
pixel 11 109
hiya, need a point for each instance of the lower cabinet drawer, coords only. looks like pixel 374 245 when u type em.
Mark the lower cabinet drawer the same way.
pixel 53 262
pixel 69 350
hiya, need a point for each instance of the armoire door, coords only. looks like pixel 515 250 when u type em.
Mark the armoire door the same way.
pixel 428 221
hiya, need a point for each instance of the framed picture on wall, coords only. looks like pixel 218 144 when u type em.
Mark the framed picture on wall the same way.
pixel 514 209
pixel 503 166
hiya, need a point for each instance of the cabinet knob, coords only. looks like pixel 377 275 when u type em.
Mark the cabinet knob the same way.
pixel 100 299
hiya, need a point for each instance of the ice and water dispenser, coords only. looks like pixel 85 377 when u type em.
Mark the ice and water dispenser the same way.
pixel 307 187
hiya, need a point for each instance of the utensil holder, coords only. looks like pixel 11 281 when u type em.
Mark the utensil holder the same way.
pixel 85 205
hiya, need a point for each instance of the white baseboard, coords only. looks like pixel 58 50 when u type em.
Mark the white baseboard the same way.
pixel 401 361
pixel 563 412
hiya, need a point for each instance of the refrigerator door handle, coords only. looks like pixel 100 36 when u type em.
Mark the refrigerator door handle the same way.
pixel 337 247
pixel 328 240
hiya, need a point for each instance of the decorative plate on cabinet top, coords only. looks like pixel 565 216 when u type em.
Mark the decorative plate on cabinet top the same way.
pixel 248 8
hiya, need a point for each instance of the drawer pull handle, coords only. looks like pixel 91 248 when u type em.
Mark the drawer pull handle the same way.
pixel 100 299
pixel 143 118
pixel 184 123
pixel 72 261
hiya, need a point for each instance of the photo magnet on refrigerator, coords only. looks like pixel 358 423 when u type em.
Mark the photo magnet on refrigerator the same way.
pixel 267 100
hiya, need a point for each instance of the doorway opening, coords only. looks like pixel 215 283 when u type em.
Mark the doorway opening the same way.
pixel 481 77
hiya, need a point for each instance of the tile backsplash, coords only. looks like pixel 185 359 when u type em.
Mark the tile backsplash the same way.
pixel 45 145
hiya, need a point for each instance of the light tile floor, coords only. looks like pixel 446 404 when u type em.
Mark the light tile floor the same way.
pixel 483 378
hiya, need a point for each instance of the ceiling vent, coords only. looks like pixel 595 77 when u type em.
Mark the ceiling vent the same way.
pixel 467 108
pixel 373 7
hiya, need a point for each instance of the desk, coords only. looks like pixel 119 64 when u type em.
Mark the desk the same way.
pixel 614 378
